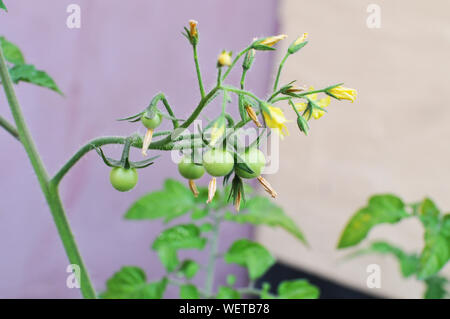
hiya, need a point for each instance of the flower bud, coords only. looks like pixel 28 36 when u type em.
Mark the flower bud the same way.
pixel 224 59
pixel 193 32
pixel 248 60
pixel 302 124
pixel 342 93
pixel 298 44
pixel 267 43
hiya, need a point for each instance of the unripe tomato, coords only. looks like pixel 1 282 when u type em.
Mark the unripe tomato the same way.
pixel 256 160
pixel 123 179
pixel 190 170
pixel 151 123
pixel 218 162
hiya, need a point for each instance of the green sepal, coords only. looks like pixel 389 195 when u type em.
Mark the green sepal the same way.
pixel 327 89
pixel 237 186
pixel 107 160
pixel 133 118
pixel 261 47
pixel 295 48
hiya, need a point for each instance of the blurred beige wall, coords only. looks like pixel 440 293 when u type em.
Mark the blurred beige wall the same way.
pixel 394 138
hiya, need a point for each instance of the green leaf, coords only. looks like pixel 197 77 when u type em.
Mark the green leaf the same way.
pixel 2 6
pixel 445 226
pixel 130 283
pixel 429 213
pixel 297 289
pixel 231 280
pixel 435 288
pixel 262 211
pixel 178 237
pixel 206 227
pixel 225 292
pixel 409 263
pixel 173 201
pixel 251 255
pixel 189 291
pixel 11 51
pixel 29 73
pixel 380 209
pixel 434 255
pixel 199 213
pixel 188 269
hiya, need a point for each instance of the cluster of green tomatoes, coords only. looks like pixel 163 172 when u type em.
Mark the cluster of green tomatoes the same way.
pixel 216 161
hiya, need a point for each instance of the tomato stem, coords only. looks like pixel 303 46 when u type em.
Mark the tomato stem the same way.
pixel 49 189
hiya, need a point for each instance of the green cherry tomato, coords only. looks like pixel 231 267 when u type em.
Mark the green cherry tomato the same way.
pixel 256 160
pixel 123 179
pixel 151 123
pixel 218 162
pixel 190 170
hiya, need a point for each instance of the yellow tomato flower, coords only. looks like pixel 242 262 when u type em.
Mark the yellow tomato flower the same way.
pixel 276 120
pixel 270 41
pixel 343 93
pixel 316 113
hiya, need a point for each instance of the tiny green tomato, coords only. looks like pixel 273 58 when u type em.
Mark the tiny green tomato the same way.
pixel 218 162
pixel 123 179
pixel 254 159
pixel 151 123
pixel 190 170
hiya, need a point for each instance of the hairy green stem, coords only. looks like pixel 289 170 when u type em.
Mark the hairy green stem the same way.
pixel 298 95
pixel 49 190
pixel 162 97
pixel 9 128
pixel 244 73
pixel 199 74
pixel 191 118
pixel 238 91
pixel 275 85
pixel 235 60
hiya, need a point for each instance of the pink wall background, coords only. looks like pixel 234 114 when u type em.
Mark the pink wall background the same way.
pixel 124 53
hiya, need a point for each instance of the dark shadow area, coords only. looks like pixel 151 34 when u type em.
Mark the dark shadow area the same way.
pixel 328 288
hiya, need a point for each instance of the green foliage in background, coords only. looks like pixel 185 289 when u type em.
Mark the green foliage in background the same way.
pixel 427 264
pixel 202 233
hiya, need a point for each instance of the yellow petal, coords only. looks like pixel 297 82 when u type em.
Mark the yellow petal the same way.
pixel 344 93
pixel 301 39
pixel 270 41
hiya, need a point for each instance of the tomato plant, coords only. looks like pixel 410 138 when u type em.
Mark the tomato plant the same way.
pixel 220 158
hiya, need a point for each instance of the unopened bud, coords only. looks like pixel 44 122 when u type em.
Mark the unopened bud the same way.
pixel 224 59
pixel 302 124
pixel 248 59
